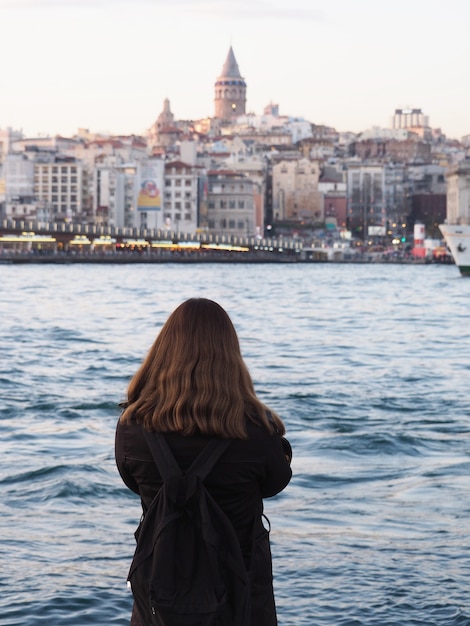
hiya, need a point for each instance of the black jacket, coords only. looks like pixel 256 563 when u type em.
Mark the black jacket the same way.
pixel 247 472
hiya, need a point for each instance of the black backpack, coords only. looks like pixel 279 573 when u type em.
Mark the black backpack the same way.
pixel 188 569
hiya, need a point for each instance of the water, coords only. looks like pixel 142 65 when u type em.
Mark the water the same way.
pixel 368 365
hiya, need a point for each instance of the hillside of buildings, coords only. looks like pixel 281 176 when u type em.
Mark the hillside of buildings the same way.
pixel 238 174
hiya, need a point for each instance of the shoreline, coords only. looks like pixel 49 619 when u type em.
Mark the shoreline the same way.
pixel 128 259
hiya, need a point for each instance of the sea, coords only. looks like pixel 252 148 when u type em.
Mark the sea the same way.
pixel 369 367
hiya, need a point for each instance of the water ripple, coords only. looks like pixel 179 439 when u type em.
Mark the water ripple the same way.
pixel 368 365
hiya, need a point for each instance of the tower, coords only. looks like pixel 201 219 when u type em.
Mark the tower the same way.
pixel 230 90
pixel 163 131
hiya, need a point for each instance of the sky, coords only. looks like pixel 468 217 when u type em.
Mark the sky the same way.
pixel 108 65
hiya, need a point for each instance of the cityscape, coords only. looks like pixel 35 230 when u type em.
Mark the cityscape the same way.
pixel 241 175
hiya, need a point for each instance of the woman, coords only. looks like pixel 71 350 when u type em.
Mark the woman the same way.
pixel 194 385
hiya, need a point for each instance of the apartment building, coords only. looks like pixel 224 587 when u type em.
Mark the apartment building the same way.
pixel 58 187
pixel 114 194
pixel 230 203
pixel 366 200
pixel 18 187
pixel 180 200
pixel 295 194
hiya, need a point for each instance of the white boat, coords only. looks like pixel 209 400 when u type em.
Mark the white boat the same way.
pixel 457 238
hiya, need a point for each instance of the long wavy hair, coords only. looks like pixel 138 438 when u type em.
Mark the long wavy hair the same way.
pixel 194 379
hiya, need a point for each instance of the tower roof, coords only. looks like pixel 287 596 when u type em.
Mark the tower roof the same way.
pixel 230 68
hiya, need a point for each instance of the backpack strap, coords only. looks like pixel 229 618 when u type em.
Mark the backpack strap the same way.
pixel 166 462
pixel 208 457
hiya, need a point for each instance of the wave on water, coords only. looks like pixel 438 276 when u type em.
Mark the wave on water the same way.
pixel 367 366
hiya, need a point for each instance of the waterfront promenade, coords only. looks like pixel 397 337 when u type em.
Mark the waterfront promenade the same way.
pixel 29 241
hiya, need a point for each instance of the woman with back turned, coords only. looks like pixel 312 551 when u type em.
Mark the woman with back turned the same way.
pixel 194 386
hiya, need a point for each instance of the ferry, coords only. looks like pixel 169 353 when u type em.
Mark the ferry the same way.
pixel 457 238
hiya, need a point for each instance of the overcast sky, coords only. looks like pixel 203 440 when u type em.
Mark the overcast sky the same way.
pixel 107 65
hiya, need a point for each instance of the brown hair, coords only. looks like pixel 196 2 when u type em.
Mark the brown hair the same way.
pixel 194 379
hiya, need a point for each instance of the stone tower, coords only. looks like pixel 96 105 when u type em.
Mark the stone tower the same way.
pixel 230 90
pixel 162 130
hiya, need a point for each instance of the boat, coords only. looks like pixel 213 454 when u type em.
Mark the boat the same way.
pixel 457 238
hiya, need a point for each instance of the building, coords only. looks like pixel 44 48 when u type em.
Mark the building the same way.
pixel 180 201
pixel 58 185
pixel 413 120
pixel 458 193
pixel 230 91
pixel 164 132
pixel 409 150
pixel 333 191
pixel 409 118
pixel 230 203
pixel 115 192
pixel 366 200
pixel 295 194
pixel 149 201
pixel 18 177
pixel 430 210
pixel 7 137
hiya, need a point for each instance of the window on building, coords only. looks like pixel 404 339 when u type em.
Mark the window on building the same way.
pixel 187 182
pixel 187 217
pixel 232 204
pixel 241 204
pixel 178 182
pixel 241 225
pixel 231 223
pixel 223 223
pixel 211 204
pixel 177 205
pixel 223 204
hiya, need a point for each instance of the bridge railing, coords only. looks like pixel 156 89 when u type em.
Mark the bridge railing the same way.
pixel 64 228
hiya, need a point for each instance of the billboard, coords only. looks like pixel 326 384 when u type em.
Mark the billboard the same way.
pixel 376 231
pixel 149 196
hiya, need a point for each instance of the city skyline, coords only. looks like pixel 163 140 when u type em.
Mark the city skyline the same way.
pixel 108 65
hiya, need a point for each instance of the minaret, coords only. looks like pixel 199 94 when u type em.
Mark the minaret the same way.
pixel 230 90
pixel 164 122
